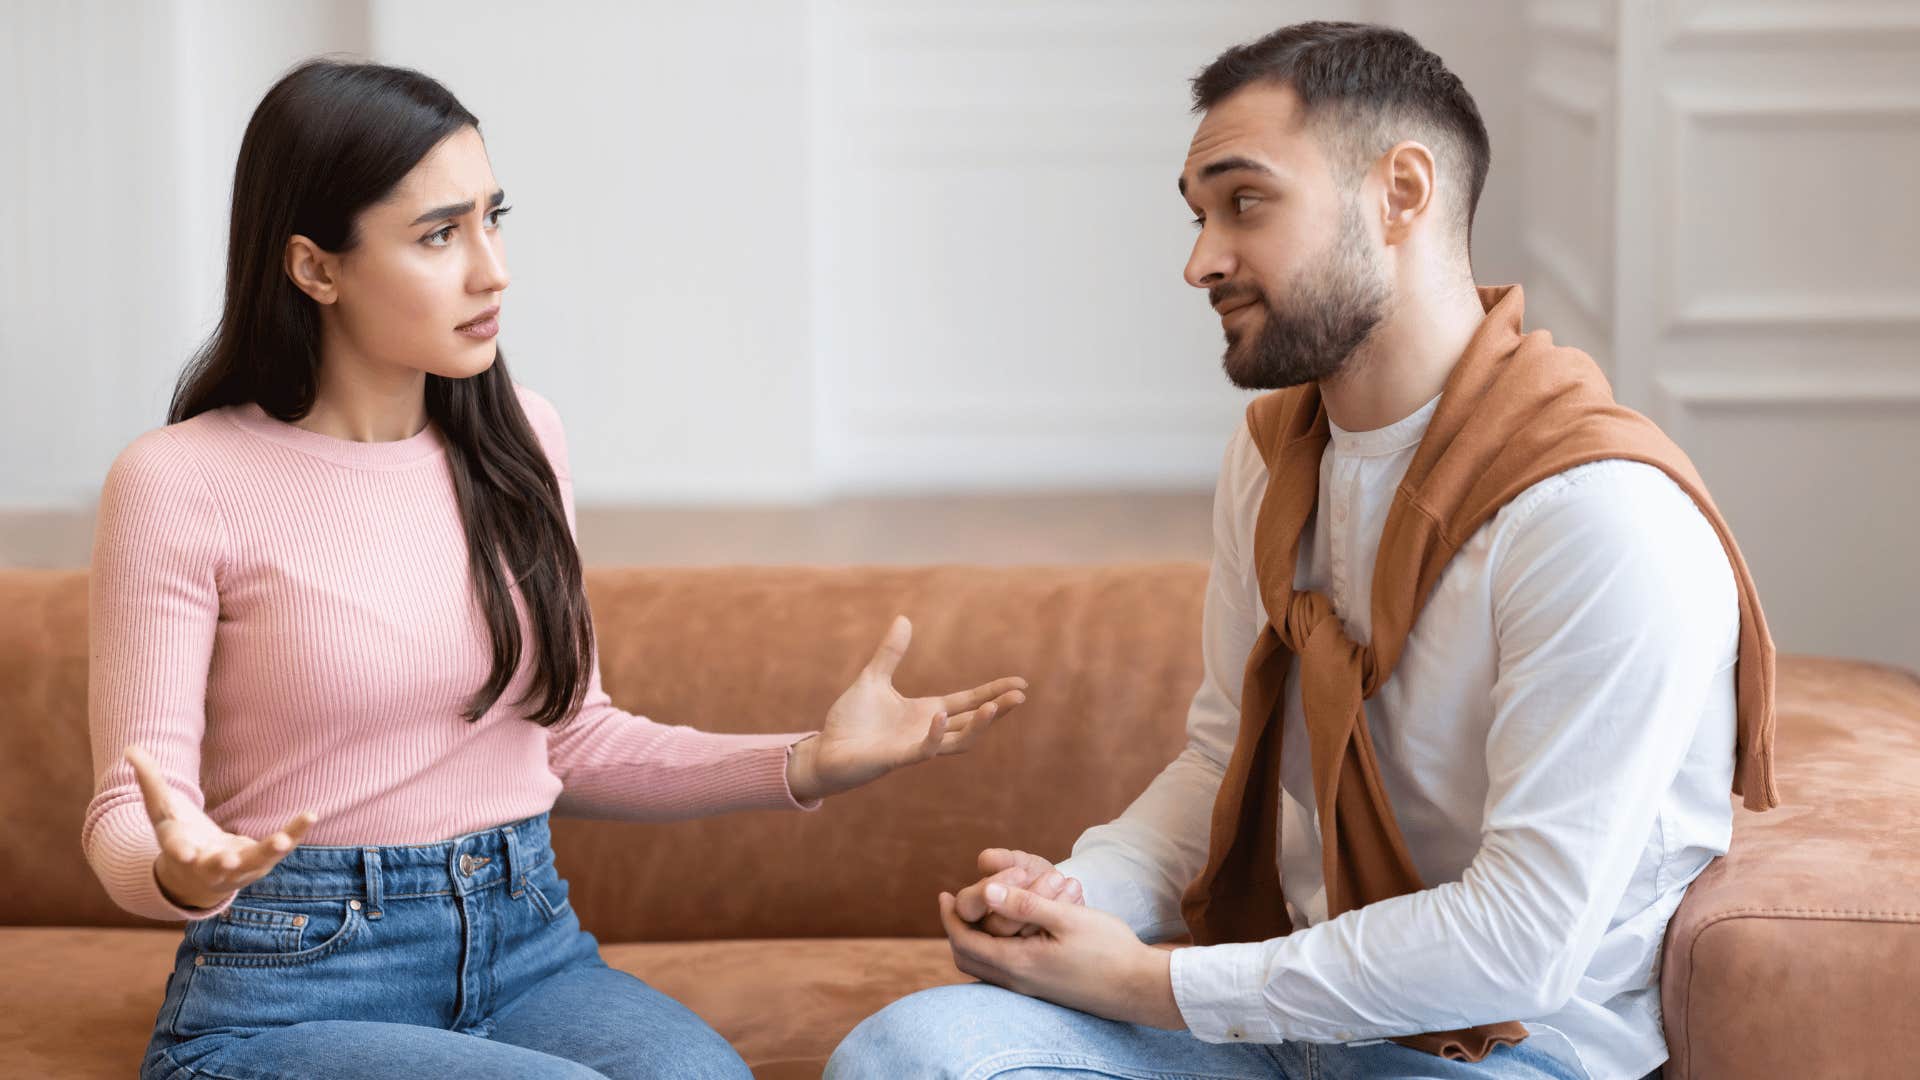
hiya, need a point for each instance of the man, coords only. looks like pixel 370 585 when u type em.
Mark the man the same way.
pixel 1482 661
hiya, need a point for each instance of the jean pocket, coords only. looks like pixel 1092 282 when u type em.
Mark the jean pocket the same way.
pixel 548 891
pixel 274 932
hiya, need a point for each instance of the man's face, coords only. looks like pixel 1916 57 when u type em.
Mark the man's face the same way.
pixel 1283 252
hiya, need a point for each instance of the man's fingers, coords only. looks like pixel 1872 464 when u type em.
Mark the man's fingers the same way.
pixel 963 700
pixel 993 860
pixel 893 646
pixel 972 902
pixel 1051 885
pixel 1023 906
pixel 974 953
pixel 153 786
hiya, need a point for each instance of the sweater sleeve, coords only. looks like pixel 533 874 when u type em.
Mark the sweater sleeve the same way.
pixel 613 764
pixel 153 604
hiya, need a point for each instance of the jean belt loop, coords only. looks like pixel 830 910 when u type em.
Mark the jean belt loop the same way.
pixel 516 868
pixel 370 859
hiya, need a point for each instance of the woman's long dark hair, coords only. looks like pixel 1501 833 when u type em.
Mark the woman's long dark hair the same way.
pixel 329 140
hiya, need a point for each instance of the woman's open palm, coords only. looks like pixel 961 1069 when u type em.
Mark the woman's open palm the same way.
pixel 874 729
pixel 199 862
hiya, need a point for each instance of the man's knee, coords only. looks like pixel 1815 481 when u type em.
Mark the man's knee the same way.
pixel 914 1036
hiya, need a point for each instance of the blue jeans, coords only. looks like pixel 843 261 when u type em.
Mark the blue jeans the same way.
pixel 461 958
pixel 977 1031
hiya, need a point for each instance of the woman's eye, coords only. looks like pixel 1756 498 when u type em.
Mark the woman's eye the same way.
pixel 439 237
pixel 494 215
pixel 1241 202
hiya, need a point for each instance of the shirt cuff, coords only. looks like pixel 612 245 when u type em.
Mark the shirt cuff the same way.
pixel 1221 991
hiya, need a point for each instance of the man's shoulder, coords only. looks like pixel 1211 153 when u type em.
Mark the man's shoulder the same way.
pixel 1612 522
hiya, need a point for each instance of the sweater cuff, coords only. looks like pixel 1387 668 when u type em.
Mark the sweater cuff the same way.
pixel 1221 991
pixel 786 789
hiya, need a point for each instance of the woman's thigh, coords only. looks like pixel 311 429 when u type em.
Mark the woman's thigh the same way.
pixel 977 1031
pixel 617 1025
pixel 361 1050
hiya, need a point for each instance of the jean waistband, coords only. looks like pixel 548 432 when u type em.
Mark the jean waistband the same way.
pixel 375 874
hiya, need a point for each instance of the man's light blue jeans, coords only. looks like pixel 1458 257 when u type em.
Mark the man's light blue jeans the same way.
pixel 978 1031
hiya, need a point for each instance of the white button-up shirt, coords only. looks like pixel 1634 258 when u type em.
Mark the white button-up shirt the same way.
pixel 1556 743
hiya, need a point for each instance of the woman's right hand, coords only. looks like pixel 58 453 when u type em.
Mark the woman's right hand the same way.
pixel 200 863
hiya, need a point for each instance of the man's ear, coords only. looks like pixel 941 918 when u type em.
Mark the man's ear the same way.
pixel 313 271
pixel 1407 192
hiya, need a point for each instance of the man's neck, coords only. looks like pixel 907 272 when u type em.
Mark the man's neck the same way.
pixel 1405 362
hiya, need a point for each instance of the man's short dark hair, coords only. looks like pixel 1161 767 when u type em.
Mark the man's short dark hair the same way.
pixel 1371 86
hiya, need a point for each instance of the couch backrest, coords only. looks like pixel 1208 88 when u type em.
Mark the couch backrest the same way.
pixel 1112 653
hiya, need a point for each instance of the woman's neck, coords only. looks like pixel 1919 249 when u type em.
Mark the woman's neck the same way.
pixel 363 401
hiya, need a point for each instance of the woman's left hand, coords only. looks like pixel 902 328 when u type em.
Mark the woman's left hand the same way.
pixel 872 730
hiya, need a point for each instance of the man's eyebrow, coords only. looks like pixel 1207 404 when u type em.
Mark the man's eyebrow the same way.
pixel 454 210
pixel 1227 165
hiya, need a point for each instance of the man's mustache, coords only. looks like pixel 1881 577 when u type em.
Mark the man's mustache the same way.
pixel 1232 294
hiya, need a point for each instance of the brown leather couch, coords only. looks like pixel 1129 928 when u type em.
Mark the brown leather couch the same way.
pixel 1796 956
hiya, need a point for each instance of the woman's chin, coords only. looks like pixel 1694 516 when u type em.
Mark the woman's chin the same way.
pixel 466 367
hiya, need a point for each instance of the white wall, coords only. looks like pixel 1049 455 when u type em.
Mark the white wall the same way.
pixel 657 156
pixel 1721 203
pixel 762 250
pixel 117 143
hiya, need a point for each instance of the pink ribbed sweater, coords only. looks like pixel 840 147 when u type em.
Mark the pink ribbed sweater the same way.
pixel 284 620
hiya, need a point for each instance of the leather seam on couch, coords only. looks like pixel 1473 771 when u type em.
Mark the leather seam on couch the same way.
pixel 1809 914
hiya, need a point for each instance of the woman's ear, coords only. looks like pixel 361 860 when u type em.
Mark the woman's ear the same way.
pixel 313 271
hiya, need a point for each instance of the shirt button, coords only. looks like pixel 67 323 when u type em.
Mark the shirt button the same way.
pixel 1343 1036
pixel 1236 1033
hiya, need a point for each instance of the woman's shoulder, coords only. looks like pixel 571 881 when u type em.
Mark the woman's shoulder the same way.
pixel 173 455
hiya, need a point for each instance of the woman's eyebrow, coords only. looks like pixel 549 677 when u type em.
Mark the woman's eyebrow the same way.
pixel 454 210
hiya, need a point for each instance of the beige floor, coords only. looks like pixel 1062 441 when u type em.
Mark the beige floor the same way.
pixel 1001 529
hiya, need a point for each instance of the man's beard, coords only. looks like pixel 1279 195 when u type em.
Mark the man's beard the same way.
pixel 1333 306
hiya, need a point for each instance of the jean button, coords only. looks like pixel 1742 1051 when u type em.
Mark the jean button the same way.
pixel 354 904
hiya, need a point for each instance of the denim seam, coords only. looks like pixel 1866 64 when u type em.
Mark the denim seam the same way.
pixel 1021 1059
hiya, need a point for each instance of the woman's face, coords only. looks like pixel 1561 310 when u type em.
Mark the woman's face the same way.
pixel 421 289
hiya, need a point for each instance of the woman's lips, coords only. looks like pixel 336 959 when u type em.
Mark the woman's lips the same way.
pixel 480 329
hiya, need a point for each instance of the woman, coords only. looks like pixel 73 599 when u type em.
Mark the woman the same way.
pixel 343 665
